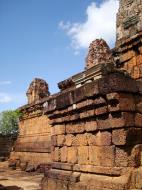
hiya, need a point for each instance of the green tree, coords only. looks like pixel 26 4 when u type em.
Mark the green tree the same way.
pixel 9 122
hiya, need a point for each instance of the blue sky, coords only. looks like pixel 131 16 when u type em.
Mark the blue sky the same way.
pixel 48 39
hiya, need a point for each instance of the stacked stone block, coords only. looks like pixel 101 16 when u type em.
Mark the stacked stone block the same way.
pixel 129 54
pixel 33 145
pixel 128 51
pixel 95 135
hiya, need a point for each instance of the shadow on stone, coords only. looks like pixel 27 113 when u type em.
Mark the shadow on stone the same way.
pixel 10 188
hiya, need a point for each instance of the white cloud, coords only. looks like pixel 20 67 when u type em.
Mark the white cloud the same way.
pixel 5 82
pixel 100 23
pixel 5 98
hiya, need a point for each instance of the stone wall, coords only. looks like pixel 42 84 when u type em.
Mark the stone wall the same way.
pixel 33 145
pixel 128 50
pixel 6 144
pixel 129 19
pixel 96 136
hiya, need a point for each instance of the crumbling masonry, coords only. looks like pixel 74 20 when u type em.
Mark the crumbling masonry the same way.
pixel 92 128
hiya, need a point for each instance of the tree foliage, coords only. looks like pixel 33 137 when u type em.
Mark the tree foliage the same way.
pixel 9 122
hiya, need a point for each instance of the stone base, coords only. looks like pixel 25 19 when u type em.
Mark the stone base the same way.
pixel 83 181
pixel 66 180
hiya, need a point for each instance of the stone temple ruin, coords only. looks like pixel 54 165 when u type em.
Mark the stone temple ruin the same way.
pixel 89 135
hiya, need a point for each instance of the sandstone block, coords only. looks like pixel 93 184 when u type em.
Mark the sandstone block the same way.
pixel 99 139
pixel 62 185
pixel 116 120
pixel 139 59
pixel 121 102
pixel 136 73
pixel 137 179
pixel 83 154
pixel 91 138
pixel 138 120
pixel 91 125
pixel 73 117
pixel 101 110
pixel 121 158
pixel 51 184
pixel 117 82
pixel 100 101
pixel 72 155
pixel 129 136
pixel 98 169
pixel 90 113
pixel 64 153
pixel 102 156
pixel 56 154
pixel 127 56
pixel 135 158
pixel 54 140
pixel 52 131
pixel 75 128
pixel 80 140
pixel 82 104
pixel 83 114
pixel 69 139
pixel 59 129
pixel 77 186
pixel 64 166
pixel 138 100
pixel 119 137
pixel 103 138
pixel 60 140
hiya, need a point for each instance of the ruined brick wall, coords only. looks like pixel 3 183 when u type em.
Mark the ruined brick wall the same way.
pixel 96 136
pixel 6 144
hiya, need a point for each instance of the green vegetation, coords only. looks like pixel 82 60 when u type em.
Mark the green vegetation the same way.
pixel 9 122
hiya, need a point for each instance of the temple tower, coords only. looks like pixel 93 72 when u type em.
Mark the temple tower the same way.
pixel 129 37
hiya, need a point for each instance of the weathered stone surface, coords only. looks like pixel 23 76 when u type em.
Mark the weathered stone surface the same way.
pixel 83 154
pixel 102 156
pixel 121 102
pixel 99 52
pixel 60 140
pixel 72 155
pixel 127 136
pixel 91 125
pixel 115 120
pixel 59 129
pixel 138 120
pixel 38 89
pixel 75 128
pixel 80 140
pixel 56 155
pixel 64 153
pixel 117 82
pixel 99 139
pixel 69 139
